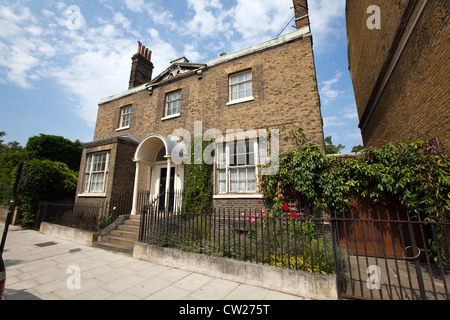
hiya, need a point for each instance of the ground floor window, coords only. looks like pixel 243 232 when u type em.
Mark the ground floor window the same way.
pixel 96 172
pixel 236 166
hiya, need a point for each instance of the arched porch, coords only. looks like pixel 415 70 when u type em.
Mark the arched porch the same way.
pixel 157 171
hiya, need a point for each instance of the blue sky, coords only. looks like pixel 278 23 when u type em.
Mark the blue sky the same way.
pixel 58 59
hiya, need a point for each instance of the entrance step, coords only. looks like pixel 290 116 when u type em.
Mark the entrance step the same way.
pixel 122 238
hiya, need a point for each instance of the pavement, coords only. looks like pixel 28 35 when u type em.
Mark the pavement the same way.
pixel 39 267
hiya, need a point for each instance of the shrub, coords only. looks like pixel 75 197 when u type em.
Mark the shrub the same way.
pixel 43 180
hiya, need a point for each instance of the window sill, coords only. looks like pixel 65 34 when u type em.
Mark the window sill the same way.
pixel 123 128
pixel 171 117
pixel 240 101
pixel 92 195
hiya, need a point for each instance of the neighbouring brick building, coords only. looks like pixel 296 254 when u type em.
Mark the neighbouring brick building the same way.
pixel 270 86
pixel 400 71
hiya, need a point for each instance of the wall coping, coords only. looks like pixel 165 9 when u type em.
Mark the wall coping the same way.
pixel 299 283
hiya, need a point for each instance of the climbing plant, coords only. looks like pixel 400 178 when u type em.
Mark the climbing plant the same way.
pixel 403 170
pixel 198 191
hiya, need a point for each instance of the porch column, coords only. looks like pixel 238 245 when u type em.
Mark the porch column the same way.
pixel 135 191
pixel 169 165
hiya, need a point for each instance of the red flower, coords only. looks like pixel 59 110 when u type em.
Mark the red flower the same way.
pixel 291 214
pixel 259 201
pixel 285 207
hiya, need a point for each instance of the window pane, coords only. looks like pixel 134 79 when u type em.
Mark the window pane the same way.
pixel 221 156
pixel 251 179
pixel 97 182
pixel 222 174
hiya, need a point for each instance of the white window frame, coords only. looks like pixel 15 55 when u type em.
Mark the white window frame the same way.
pixel 233 84
pixel 92 171
pixel 169 102
pixel 225 166
pixel 125 117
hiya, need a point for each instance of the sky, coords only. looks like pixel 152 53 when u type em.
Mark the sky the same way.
pixel 58 59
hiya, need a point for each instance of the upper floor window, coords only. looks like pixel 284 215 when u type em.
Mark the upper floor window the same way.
pixel 125 117
pixel 241 87
pixel 173 104
pixel 96 173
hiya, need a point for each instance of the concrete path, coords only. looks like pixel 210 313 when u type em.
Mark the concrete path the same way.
pixel 40 267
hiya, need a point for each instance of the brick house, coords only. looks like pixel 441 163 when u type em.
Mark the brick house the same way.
pixel 269 86
pixel 400 69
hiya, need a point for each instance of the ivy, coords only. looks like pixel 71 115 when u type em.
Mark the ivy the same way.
pixel 198 192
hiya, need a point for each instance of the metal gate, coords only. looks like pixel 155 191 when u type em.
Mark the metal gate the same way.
pixel 392 255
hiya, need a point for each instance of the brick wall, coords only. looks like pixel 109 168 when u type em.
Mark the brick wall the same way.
pixel 238 205
pixel 367 49
pixel 284 87
pixel 120 177
pixel 414 103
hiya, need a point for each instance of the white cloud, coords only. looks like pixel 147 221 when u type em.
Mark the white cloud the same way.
pixel 328 92
pixel 324 15
pixel 258 20
pixel 135 5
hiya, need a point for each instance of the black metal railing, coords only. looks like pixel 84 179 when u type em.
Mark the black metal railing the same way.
pixel 394 255
pixel 271 238
pixel 89 217
pixel 374 254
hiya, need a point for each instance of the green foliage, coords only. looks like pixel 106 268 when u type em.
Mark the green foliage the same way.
pixel 199 191
pixel 43 180
pixel 330 148
pixel 403 171
pixel 56 148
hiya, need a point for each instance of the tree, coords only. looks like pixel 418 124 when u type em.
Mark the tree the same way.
pixel 357 148
pixel 13 146
pixel 56 148
pixel 330 148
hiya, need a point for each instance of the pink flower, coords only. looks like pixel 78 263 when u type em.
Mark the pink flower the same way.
pixel 264 215
pixel 242 214
pixel 263 211
pixel 253 220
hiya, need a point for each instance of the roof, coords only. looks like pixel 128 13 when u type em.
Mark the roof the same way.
pixel 181 67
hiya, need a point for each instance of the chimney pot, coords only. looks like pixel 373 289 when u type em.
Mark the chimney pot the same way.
pixel 141 69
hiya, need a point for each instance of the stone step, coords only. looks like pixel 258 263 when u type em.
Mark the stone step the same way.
pixel 132 222
pixel 126 234
pixel 118 240
pixel 128 227
pixel 125 249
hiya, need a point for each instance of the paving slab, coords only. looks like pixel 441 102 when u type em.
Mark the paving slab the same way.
pixel 40 267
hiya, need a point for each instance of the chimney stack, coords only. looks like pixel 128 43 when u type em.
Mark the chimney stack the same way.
pixel 141 67
pixel 301 13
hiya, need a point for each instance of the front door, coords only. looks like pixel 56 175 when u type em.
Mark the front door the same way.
pixel 162 189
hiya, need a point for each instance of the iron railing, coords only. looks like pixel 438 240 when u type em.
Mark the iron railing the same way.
pixel 272 238
pixel 374 254
pixel 394 255
pixel 88 217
